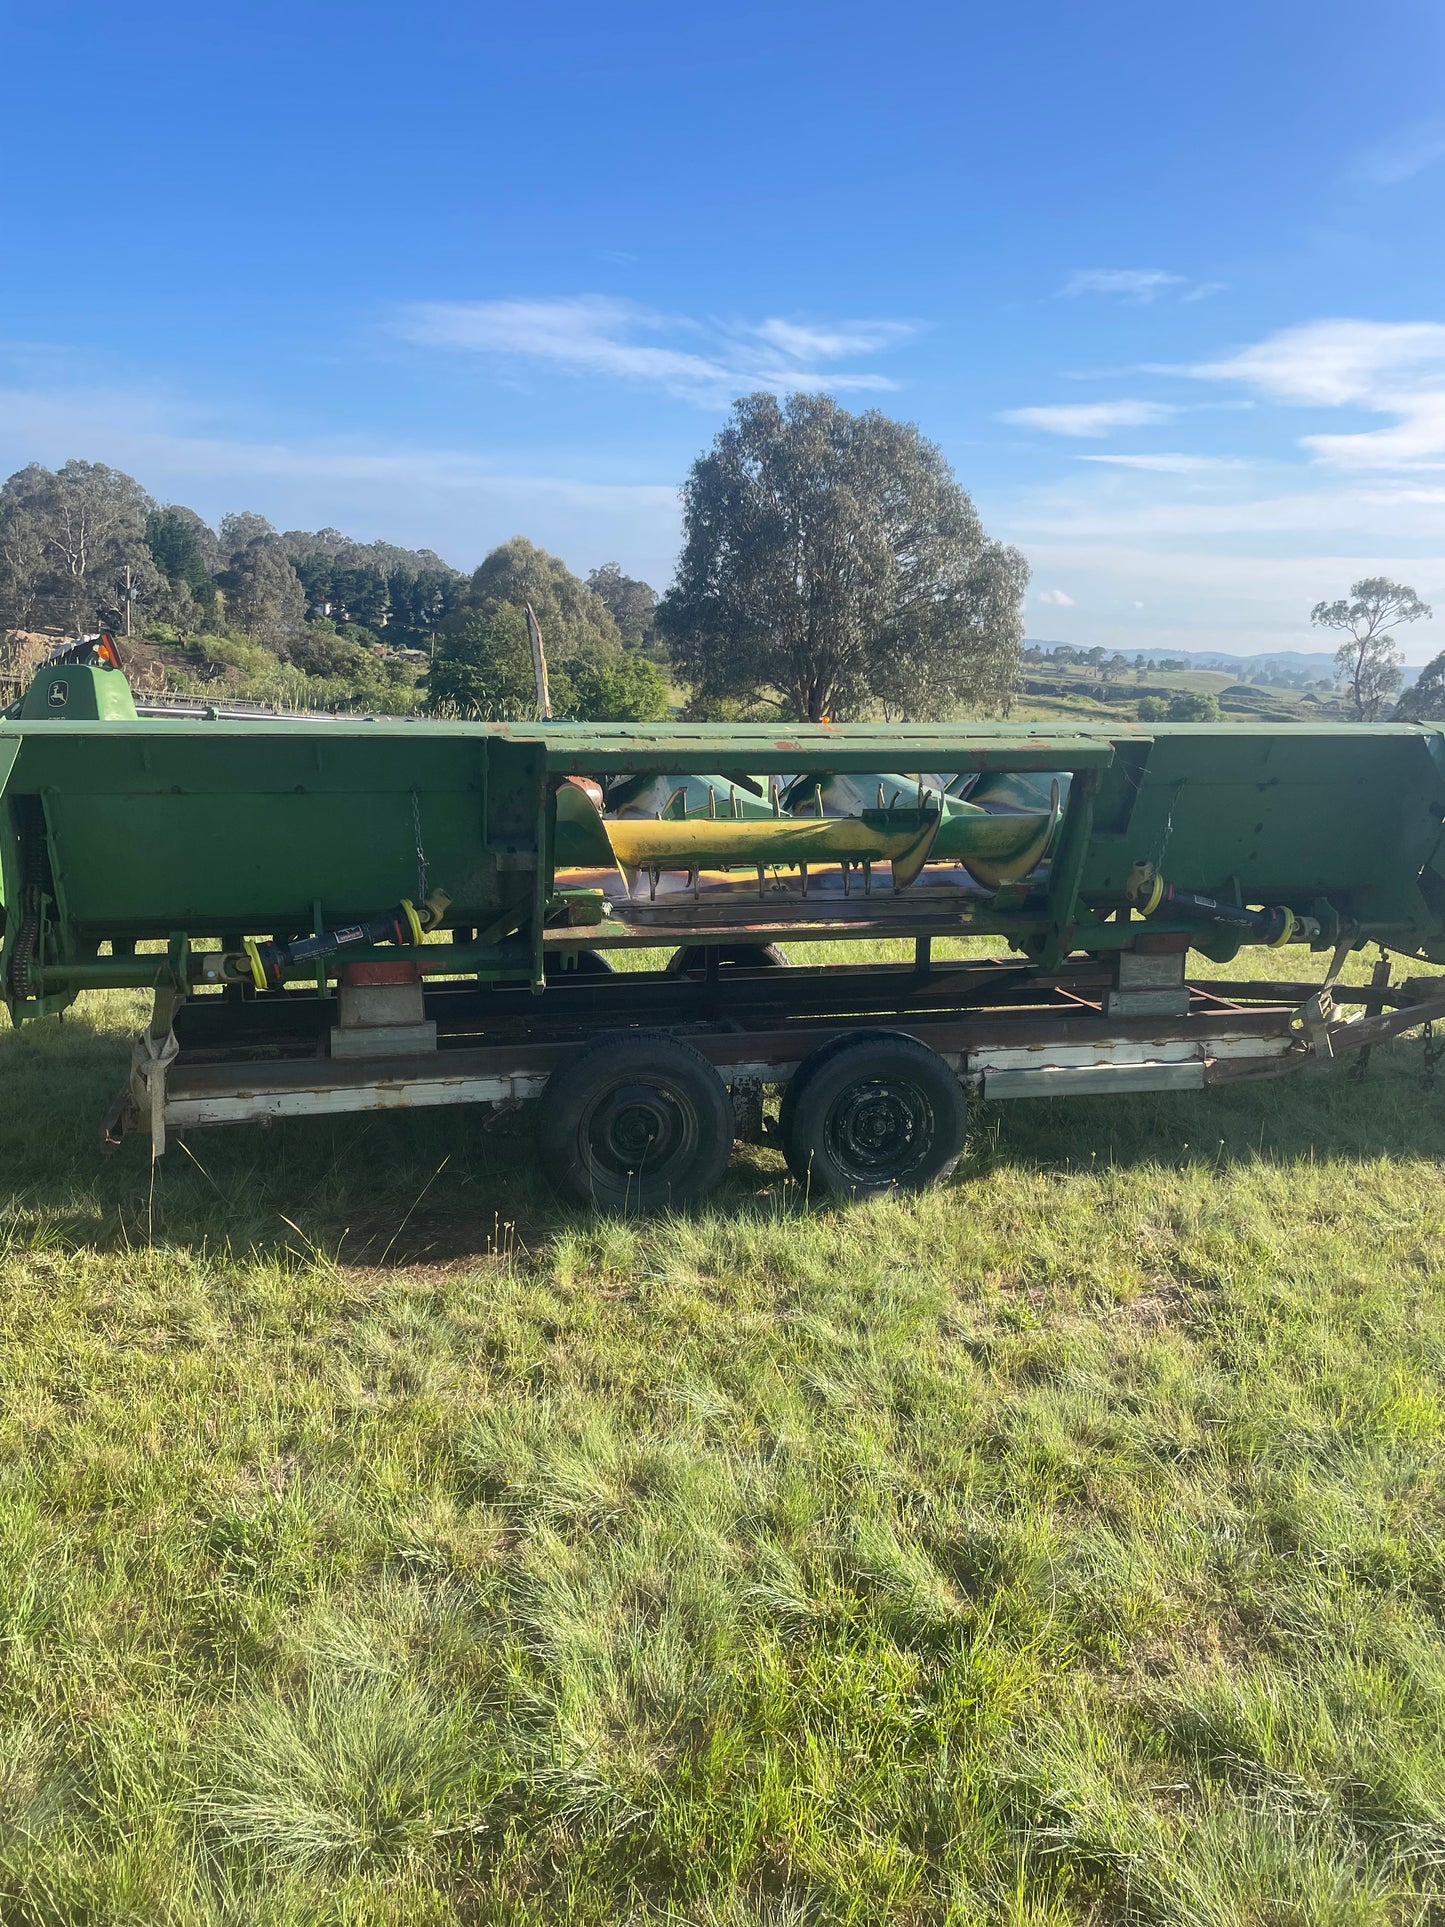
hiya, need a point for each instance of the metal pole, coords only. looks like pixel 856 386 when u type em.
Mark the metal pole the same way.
pixel 539 663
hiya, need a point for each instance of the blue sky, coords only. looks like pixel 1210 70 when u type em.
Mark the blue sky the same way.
pixel 1165 282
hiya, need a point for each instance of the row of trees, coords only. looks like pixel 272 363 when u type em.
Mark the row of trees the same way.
pixel 86 543
pixel 831 567
pixel 1115 663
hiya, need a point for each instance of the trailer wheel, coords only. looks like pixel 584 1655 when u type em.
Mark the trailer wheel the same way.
pixel 636 1123
pixel 691 959
pixel 873 1112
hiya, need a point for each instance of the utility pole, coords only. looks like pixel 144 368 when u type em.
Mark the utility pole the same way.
pixel 127 601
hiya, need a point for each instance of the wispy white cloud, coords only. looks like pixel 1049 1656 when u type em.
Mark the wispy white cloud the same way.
pixel 1383 367
pixel 1171 464
pixel 1234 552
pixel 805 342
pixel 1232 511
pixel 1133 284
pixel 696 361
pixel 1333 361
pixel 1140 286
pixel 1091 418
pixel 1054 599
pixel 458 502
pixel 591 334
pixel 1154 597
pixel 1401 155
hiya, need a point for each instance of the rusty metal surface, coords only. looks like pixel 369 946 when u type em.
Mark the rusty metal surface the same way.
pixel 1069 1049
pixel 950 1032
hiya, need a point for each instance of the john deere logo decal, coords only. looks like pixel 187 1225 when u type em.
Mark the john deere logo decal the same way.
pixel 58 694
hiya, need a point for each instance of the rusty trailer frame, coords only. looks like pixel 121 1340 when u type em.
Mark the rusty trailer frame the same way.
pixel 1007 1030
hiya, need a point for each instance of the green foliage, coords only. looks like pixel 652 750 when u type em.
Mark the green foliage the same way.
pixel 331 675
pixel 615 686
pixel 1153 709
pixel 833 561
pixel 701 708
pixel 1424 700
pixel 403 593
pixel 484 668
pixel 483 665
pixel 240 529
pixel 72 543
pixel 241 653
pixel 318 650
pixel 1194 706
pixel 264 593
pixel 186 552
pixel 633 604
pixel 67 539
pixel 1368 659
pixel 362 1775
pixel 571 617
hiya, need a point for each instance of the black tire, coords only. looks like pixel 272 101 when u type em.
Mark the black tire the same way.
pixel 636 1123
pixel 692 958
pixel 871 1113
pixel 809 1068
pixel 590 963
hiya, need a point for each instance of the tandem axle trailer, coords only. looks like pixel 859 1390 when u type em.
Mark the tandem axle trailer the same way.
pixel 904 1047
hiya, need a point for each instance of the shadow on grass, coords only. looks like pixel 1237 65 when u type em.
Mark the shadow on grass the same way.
pixel 446 1188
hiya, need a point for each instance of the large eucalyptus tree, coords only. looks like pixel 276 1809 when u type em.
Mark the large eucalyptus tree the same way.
pixel 832 565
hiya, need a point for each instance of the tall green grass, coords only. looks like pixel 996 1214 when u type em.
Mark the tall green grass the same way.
pixel 381 1544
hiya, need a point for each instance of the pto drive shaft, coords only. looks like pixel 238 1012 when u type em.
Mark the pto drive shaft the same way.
pixel 1272 926
pixel 268 964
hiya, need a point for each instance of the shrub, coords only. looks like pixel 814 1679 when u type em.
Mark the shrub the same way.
pixel 616 686
pixel 1195 706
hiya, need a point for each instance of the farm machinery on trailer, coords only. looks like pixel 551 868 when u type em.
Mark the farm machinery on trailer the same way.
pixel 349 914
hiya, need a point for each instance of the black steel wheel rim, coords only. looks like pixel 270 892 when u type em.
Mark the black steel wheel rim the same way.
pixel 880 1131
pixel 639 1131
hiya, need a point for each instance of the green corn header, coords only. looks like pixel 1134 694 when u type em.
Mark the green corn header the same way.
pixel 399 912
pixel 115 829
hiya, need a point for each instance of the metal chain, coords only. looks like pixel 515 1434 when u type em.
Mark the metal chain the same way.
pixel 1379 980
pixel 420 851
pixel 1434 1051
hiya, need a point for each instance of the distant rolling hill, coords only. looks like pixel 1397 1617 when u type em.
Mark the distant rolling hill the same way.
pixel 1318 664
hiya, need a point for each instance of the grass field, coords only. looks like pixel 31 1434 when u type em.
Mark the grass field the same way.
pixel 380 1544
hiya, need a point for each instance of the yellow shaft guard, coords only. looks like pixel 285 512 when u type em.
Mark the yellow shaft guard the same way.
pixel 1290 920
pixel 253 957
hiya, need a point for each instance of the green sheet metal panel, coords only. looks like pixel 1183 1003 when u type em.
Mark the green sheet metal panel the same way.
pixel 77 692
pixel 162 826
pixel 578 749
pixel 1285 815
